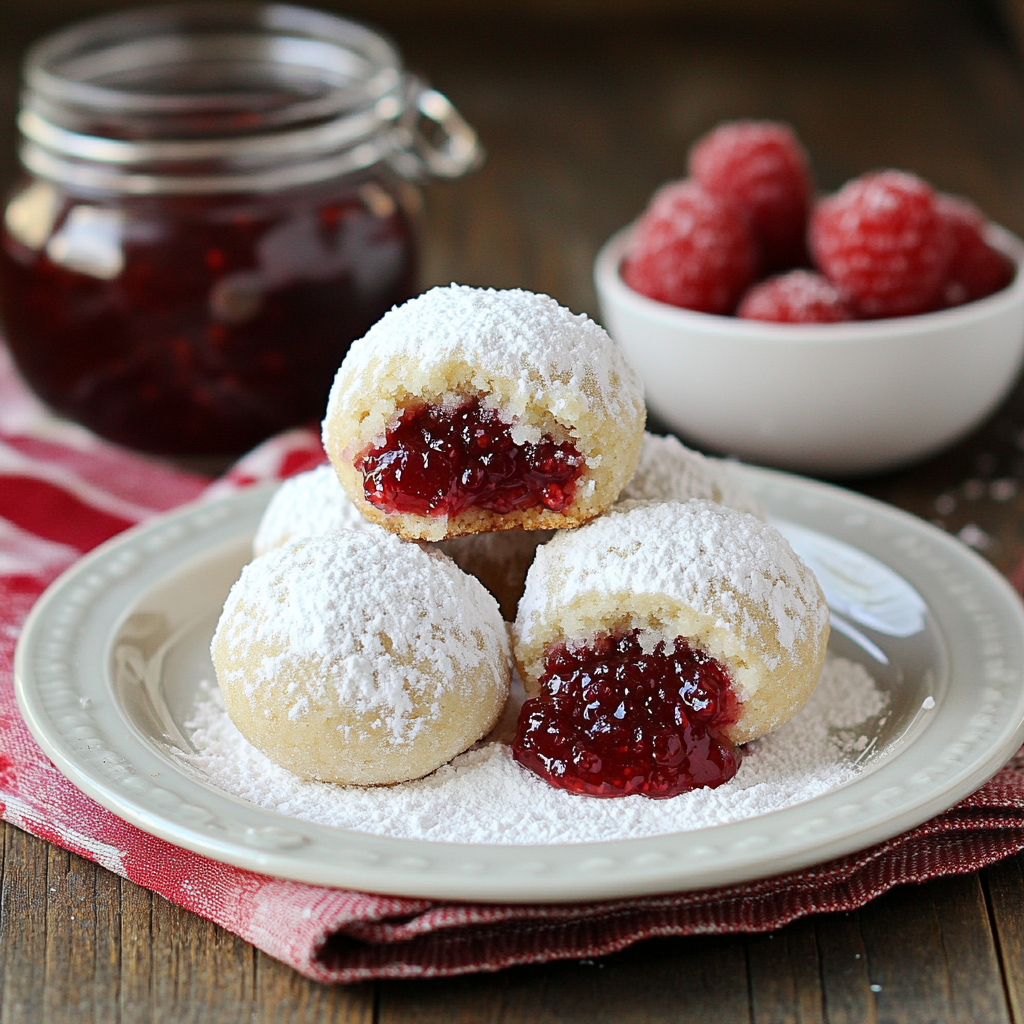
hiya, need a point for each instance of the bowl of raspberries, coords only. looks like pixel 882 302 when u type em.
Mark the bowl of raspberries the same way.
pixel 839 334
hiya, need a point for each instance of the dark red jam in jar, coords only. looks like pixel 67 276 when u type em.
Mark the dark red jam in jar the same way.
pixel 613 719
pixel 217 206
pixel 437 461
pixel 195 326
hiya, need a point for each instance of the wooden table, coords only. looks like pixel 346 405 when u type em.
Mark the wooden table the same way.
pixel 581 121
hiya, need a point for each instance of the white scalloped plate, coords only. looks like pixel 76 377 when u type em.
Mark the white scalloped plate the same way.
pixel 110 658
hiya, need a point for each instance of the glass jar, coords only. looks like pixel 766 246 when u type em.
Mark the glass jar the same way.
pixel 218 201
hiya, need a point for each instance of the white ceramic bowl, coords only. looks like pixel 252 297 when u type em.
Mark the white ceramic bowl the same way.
pixel 832 398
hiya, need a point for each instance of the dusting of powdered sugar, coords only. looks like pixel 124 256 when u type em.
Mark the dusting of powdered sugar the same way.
pixel 365 618
pixel 706 557
pixel 484 796
pixel 669 471
pixel 516 335
pixel 307 505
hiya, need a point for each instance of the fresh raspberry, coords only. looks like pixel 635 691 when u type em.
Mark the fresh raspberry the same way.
pixel 799 297
pixel 691 249
pixel 760 167
pixel 977 269
pixel 883 243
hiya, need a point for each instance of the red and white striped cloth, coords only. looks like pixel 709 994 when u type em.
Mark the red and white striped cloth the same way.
pixel 62 492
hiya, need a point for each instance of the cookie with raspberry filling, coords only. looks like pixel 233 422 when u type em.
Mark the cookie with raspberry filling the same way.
pixel 654 640
pixel 468 410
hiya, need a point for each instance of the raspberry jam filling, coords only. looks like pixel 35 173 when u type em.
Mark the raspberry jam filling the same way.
pixel 611 720
pixel 440 462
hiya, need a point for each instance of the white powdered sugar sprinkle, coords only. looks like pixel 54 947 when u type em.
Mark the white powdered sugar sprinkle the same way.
pixel 526 337
pixel 365 618
pixel 484 796
pixel 307 505
pixel 669 471
pixel 705 556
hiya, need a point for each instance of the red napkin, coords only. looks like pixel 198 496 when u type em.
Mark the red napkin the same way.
pixel 62 491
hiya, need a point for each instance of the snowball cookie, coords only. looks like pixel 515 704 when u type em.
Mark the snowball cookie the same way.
pixel 313 503
pixel 357 658
pixel 500 561
pixel 669 471
pixel 307 505
pixel 727 583
pixel 469 410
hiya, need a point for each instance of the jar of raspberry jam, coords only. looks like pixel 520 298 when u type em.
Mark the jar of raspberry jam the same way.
pixel 218 200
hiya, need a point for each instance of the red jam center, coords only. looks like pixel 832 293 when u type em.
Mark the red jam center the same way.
pixel 611 720
pixel 440 462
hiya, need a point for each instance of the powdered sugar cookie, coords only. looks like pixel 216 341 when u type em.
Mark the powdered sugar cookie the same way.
pixel 312 504
pixel 669 471
pixel 309 504
pixel 500 561
pixel 469 410
pixel 359 659
pixel 656 638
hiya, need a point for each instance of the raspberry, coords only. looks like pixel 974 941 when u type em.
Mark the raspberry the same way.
pixel 613 719
pixel 761 168
pixel 799 297
pixel 883 243
pixel 977 269
pixel 691 249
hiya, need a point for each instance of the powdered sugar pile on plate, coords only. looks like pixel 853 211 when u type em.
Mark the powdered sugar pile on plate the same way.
pixel 483 796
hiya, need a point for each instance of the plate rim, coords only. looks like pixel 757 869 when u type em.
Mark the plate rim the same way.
pixel 283 847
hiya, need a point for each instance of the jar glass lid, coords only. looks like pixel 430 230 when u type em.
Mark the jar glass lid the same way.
pixel 198 98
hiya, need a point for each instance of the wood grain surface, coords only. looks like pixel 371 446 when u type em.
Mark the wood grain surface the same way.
pixel 581 121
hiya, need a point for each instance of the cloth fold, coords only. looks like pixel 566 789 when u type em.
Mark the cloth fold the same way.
pixel 63 491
